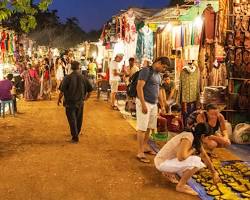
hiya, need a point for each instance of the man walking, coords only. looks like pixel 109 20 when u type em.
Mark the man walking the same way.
pixel 114 79
pixel 76 89
pixel 148 95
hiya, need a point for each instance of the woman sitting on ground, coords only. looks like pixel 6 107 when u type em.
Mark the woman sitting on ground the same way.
pixel 217 127
pixel 178 156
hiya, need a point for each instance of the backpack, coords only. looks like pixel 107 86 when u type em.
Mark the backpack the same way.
pixel 133 80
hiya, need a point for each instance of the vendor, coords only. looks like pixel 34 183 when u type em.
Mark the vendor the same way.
pixel 168 91
pixel 183 155
pixel 217 127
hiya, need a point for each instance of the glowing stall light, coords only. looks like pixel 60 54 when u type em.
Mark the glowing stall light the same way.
pixel 198 22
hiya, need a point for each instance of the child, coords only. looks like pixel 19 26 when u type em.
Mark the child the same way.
pixel 178 157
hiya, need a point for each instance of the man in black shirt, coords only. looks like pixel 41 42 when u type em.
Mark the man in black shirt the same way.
pixel 76 89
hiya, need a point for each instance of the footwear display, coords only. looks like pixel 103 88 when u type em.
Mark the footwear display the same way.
pixel 235 181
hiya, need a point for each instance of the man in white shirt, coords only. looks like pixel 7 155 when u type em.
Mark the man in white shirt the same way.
pixel 114 79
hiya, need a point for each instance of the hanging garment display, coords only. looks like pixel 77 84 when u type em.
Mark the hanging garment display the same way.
pixel 191 52
pixel 130 36
pixel 189 84
pixel 177 32
pixel 196 34
pixel 130 28
pixel 145 43
pixel 188 34
pixel 222 21
pixel 119 48
pixel 218 75
pixel 163 42
pixel 208 31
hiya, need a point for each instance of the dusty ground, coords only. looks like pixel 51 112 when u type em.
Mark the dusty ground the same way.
pixel 38 163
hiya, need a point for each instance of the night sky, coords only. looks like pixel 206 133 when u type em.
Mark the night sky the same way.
pixel 92 14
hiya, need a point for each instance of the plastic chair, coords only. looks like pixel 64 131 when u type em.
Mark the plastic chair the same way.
pixel 103 86
pixel 11 107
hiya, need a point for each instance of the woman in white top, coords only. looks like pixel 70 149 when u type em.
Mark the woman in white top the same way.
pixel 181 156
pixel 59 72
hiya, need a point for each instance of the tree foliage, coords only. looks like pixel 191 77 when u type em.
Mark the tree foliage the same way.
pixel 25 10
pixel 45 27
pixel 51 31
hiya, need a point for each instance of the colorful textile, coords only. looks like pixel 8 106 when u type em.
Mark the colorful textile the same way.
pixel 189 86
pixel 208 32
pixel 222 24
pixel 145 44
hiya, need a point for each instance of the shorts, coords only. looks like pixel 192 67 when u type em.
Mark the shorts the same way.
pixel 114 86
pixel 178 167
pixel 146 121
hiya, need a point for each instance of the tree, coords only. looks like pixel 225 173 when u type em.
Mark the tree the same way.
pixel 24 12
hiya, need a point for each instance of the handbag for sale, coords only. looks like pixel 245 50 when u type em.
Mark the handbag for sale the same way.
pixel 241 134
pixel 162 124
pixel 174 123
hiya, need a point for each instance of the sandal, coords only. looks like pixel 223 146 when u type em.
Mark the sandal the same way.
pixel 115 108
pixel 171 178
pixel 230 39
pixel 143 159
pixel 238 24
pixel 247 40
pixel 245 24
pixel 238 58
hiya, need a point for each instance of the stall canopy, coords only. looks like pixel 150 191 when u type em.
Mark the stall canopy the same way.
pixel 196 10
pixel 166 15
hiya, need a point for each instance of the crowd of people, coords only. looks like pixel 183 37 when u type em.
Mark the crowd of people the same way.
pixel 154 94
pixel 36 77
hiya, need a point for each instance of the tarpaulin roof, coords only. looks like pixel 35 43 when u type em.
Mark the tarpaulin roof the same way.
pixel 194 11
pixel 186 12
pixel 141 13
pixel 166 15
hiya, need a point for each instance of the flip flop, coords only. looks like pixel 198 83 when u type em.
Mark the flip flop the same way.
pixel 143 159
pixel 115 108
pixel 150 152
pixel 171 178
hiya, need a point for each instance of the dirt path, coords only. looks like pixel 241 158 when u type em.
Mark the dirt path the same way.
pixel 37 162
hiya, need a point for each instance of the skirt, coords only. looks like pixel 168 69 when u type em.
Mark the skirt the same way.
pixel 178 167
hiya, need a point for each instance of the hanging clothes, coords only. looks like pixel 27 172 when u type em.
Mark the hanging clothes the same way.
pixel 130 28
pixel 145 44
pixel 3 38
pixel 178 34
pixel 208 31
pixel 218 75
pixel 189 85
pixel 222 21
pixel 163 42
pixel 130 36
